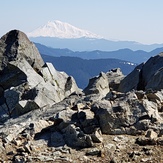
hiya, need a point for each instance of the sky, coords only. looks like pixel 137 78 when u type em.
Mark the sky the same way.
pixel 127 20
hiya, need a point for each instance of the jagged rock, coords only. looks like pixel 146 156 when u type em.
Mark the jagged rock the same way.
pixel 57 114
pixel 146 76
pixel 124 113
pixel 26 82
pixel 65 84
pixel 64 116
pixel 114 78
pixel 160 141
pixel 87 121
pixel 152 73
pixel 78 106
pixel 112 95
pixel 156 97
pixel 14 45
pixel 19 159
pixel 110 147
pixel 146 141
pixel 140 94
pixel 98 85
pixel 151 134
pixel 103 113
pixel 132 80
pixel 75 137
pixel 151 110
pixel 97 136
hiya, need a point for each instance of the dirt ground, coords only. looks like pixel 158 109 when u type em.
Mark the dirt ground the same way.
pixel 114 149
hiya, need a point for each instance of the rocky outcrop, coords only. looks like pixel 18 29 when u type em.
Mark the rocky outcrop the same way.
pixel 27 82
pixel 15 45
pixel 114 78
pixel 98 86
pixel 146 76
pixel 152 73
pixel 101 85
pixel 46 118
pixel 132 81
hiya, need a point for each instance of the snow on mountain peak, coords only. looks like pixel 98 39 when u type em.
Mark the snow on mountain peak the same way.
pixel 61 30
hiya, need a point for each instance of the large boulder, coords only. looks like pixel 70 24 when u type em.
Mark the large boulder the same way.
pixel 65 84
pixel 132 80
pixel 146 76
pixel 152 73
pixel 26 82
pixel 126 115
pixel 114 77
pixel 14 45
pixel 98 85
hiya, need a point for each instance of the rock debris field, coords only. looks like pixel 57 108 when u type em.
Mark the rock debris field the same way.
pixel 45 117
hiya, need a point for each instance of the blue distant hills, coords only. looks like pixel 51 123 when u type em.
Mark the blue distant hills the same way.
pixel 137 56
pixel 91 44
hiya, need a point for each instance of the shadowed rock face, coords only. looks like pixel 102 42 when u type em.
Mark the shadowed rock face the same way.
pixel 14 45
pixel 146 76
pixel 27 82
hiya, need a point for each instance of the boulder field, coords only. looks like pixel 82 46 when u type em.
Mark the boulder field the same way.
pixel 45 117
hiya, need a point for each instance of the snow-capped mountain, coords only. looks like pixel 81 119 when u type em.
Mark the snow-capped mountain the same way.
pixel 61 30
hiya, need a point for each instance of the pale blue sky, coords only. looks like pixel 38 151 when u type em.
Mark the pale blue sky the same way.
pixel 134 20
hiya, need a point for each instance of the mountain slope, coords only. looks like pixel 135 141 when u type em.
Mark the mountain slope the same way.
pixel 61 30
pixel 82 70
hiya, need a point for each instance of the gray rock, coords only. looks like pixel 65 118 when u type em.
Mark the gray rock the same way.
pixel 151 110
pixel 97 136
pixel 74 137
pixel 152 75
pixel 156 97
pixel 151 134
pixel 25 83
pixel 93 152
pixel 44 158
pixel 14 45
pixel 110 147
pixel 19 159
pixel 65 116
pixel 63 83
pixel 124 113
pixel 98 85
pixel 132 80
pixel 146 76
pixel 87 120
pixel 114 77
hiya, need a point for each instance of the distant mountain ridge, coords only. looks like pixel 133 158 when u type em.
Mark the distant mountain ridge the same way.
pixel 59 34
pixel 61 30
pixel 138 56
pixel 91 44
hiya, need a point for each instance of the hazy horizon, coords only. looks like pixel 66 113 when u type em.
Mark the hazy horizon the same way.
pixel 138 21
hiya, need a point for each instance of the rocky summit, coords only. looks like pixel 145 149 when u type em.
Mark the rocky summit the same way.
pixel 45 117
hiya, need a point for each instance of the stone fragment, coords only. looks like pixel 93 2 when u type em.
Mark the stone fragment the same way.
pixel 97 137
pixel 93 152
pixel 151 134
pixel 98 85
